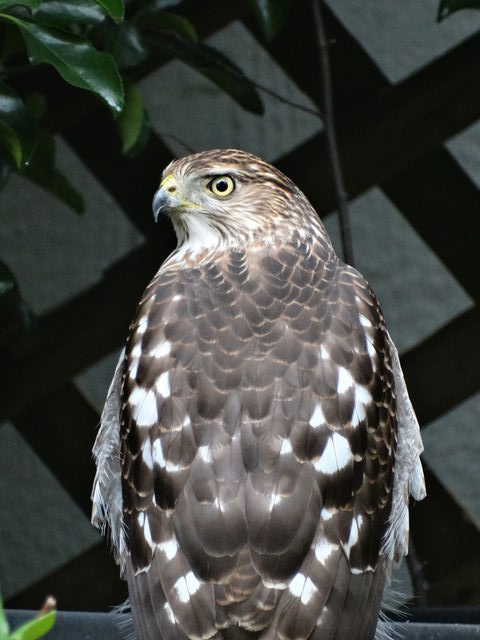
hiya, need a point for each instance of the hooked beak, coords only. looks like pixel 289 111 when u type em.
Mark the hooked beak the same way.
pixel 169 199
pixel 165 199
pixel 163 203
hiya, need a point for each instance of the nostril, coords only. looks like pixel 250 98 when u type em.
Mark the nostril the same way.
pixel 172 189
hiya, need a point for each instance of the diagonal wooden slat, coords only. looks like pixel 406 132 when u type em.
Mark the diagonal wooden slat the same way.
pixel 60 348
pixel 89 582
pixel 441 372
pixel 131 181
pixel 403 123
pixel 355 75
pixel 427 191
pixel 61 428
pixel 442 204
pixel 447 538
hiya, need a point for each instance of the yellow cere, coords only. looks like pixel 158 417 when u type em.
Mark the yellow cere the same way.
pixel 168 183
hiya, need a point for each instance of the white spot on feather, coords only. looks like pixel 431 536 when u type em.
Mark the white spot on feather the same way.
pixel 286 447
pixel 147 533
pixel 324 355
pixel 302 587
pixel 136 351
pixel 147 453
pixel 317 418
pixel 145 413
pixel 336 455
pixel 163 384
pixel 169 548
pixel 186 586
pixel 324 549
pixel 326 513
pixel 136 396
pixel 275 499
pixel 133 369
pixel 205 454
pixel 161 350
pixel 371 349
pixel 142 325
pixel 169 612
pixel 362 399
pixel 362 394
pixel 354 534
pixel 157 451
pixel 345 380
pixel 364 321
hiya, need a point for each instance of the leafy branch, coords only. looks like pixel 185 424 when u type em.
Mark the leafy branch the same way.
pixel 33 629
pixel 94 46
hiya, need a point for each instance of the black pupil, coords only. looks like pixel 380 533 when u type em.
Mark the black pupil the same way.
pixel 221 185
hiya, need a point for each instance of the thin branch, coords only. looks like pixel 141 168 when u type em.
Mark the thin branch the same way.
pixel 341 194
pixel 278 96
pixel 241 76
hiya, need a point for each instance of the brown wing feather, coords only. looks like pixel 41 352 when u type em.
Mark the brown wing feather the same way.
pixel 258 441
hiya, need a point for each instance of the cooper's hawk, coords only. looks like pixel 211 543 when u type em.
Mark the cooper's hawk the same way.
pixel 258 447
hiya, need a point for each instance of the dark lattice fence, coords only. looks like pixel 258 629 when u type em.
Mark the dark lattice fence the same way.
pixel 390 136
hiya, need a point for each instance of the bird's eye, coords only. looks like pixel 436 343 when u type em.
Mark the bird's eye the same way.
pixel 221 186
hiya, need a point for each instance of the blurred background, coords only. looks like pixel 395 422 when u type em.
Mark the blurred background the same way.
pixel 79 166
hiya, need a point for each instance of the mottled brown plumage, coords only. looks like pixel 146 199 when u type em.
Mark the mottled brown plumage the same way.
pixel 258 422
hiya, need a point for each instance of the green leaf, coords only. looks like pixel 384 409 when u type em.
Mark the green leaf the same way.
pixel 114 8
pixel 133 122
pixel 270 15
pixel 42 171
pixel 17 127
pixel 12 48
pixel 168 21
pixel 214 66
pixel 4 628
pixel 30 4
pixel 35 628
pixel 126 44
pixel 447 7
pixel 63 13
pixel 155 6
pixel 75 59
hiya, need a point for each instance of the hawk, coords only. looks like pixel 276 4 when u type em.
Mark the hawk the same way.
pixel 257 448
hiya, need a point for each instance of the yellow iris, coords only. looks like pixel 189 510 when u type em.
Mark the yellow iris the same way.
pixel 221 186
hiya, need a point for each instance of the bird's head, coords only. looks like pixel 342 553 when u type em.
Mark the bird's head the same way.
pixel 226 195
